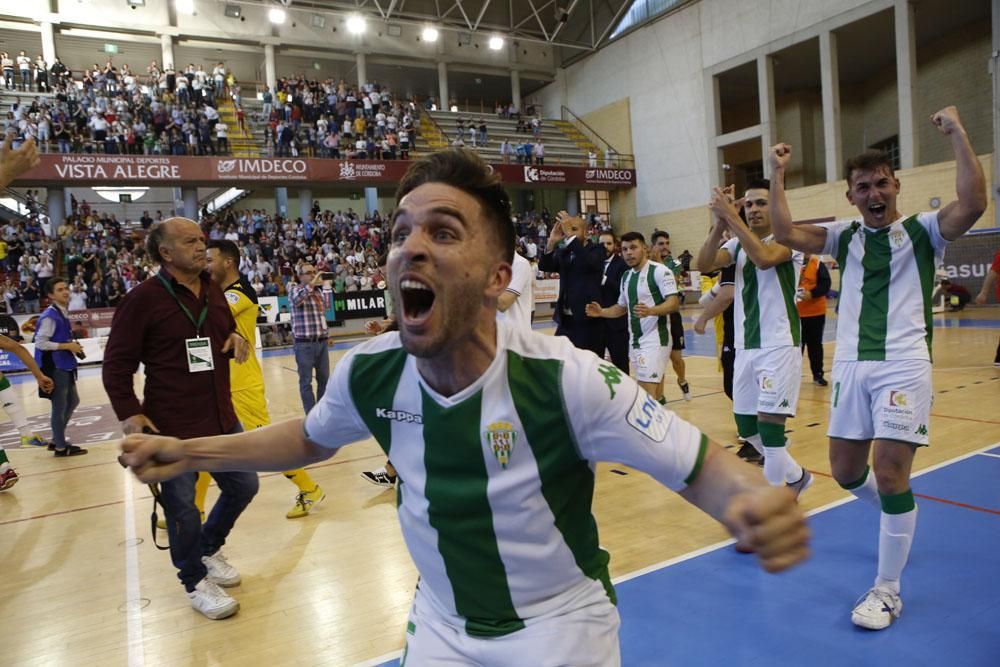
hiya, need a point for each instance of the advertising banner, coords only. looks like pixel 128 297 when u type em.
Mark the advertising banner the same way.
pixel 171 171
pixel 967 260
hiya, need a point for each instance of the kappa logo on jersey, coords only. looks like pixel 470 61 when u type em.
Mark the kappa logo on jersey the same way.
pixel 233 298
pixel 399 416
pixel 611 375
pixel 898 399
pixel 648 417
pixel 501 436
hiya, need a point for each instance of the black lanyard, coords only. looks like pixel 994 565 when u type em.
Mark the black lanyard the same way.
pixel 204 310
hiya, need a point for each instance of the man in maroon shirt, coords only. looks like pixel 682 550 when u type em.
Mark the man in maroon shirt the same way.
pixel 179 326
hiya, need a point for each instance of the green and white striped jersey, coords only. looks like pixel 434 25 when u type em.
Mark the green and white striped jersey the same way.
pixel 886 281
pixel 496 482
pixel 651 285
pixel 765 314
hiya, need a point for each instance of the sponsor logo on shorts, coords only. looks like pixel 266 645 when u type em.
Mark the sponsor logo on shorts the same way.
pixel 399 416
pixel 611 375
pixel 648 417
pixel 898 399
pixel 501 436
pixel 893 426
pixel 766 383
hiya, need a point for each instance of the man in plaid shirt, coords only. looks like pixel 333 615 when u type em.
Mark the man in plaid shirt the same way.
pixel 309 303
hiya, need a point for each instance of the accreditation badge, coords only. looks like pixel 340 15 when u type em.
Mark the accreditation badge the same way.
pixel 199 354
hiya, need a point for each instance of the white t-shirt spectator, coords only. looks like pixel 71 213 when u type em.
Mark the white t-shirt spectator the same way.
pixel 522 285
pixel 221 130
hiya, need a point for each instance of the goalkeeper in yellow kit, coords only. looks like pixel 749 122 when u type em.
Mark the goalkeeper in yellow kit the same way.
pixel 247 380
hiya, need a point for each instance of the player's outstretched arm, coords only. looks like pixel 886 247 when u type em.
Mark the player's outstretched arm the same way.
pixel 807 238
pixel 958 217
pixel 764 519
pixel 281 446
pixel 710 256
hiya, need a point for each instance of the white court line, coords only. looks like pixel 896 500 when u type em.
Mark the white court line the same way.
pixel 719 545
pixel 133 604
pixel 995 456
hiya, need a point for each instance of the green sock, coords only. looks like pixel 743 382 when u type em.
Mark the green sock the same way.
pixel 3 456
pixel 746 425
pixel 662 400
pixel 772 435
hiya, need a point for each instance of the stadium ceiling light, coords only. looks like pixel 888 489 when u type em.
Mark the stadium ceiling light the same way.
pixel 496 42
pixel 430 34
pixel 277 15
pixel 356 24
pixel 184 6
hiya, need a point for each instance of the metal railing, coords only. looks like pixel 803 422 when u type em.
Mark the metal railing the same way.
pixel 612 156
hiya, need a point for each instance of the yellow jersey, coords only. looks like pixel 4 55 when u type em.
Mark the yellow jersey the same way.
pixel 242 301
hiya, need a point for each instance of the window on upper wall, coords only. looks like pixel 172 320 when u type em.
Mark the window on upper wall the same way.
pixel 595 202
pixel 890 147
pixel 642 11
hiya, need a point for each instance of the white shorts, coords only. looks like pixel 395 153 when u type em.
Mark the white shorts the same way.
pixel 649 362
pixel 585 637
pixel 767 380
pixel 890 400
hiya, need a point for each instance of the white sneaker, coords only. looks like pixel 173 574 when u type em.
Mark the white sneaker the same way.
pixel 877 609
pixel 212 601
pixel 220 571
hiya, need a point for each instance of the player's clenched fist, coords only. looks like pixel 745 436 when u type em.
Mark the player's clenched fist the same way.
pixel 769 522
pixel 153 458
pixel 947 120
pixel 779 156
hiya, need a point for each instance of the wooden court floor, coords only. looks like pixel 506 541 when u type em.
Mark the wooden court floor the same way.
pixel 82 583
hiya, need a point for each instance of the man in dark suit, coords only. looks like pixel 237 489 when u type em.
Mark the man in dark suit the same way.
pixel 580 265
pixel 615 329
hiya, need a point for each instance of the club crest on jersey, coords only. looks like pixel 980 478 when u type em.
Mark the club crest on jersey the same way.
pixel 896 237
pixel 501 436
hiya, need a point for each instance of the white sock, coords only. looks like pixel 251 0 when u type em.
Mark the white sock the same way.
pixel 757 443
pixel 12 405
pixel 868 491
pixel 780 467
pixel 895 536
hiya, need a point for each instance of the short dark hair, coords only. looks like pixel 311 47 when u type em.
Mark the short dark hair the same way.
pixel 659 233
pixel 635 236
pixel 468 172
pixel 227 249
pixel 50 284
pixel 758 184
pixel 608 232
pixel 868 161
pixel 157 234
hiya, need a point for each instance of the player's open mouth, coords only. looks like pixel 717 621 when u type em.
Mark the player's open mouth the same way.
pixel 418 300
pixel 878 210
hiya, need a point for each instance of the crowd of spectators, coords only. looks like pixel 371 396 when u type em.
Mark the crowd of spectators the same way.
pixel 104 257
pixel 118 110
pixel 337 120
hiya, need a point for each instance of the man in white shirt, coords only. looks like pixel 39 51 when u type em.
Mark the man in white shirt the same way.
pixel 517 303
pixel 494 432
pixel 882 389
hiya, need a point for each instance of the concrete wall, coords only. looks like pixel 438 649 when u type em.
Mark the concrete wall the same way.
pixel 663 70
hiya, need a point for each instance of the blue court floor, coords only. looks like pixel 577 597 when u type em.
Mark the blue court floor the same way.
pixel 720 608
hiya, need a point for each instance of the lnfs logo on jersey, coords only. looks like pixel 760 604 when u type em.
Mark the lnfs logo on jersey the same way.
pixel 500 437
pixel 897 399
